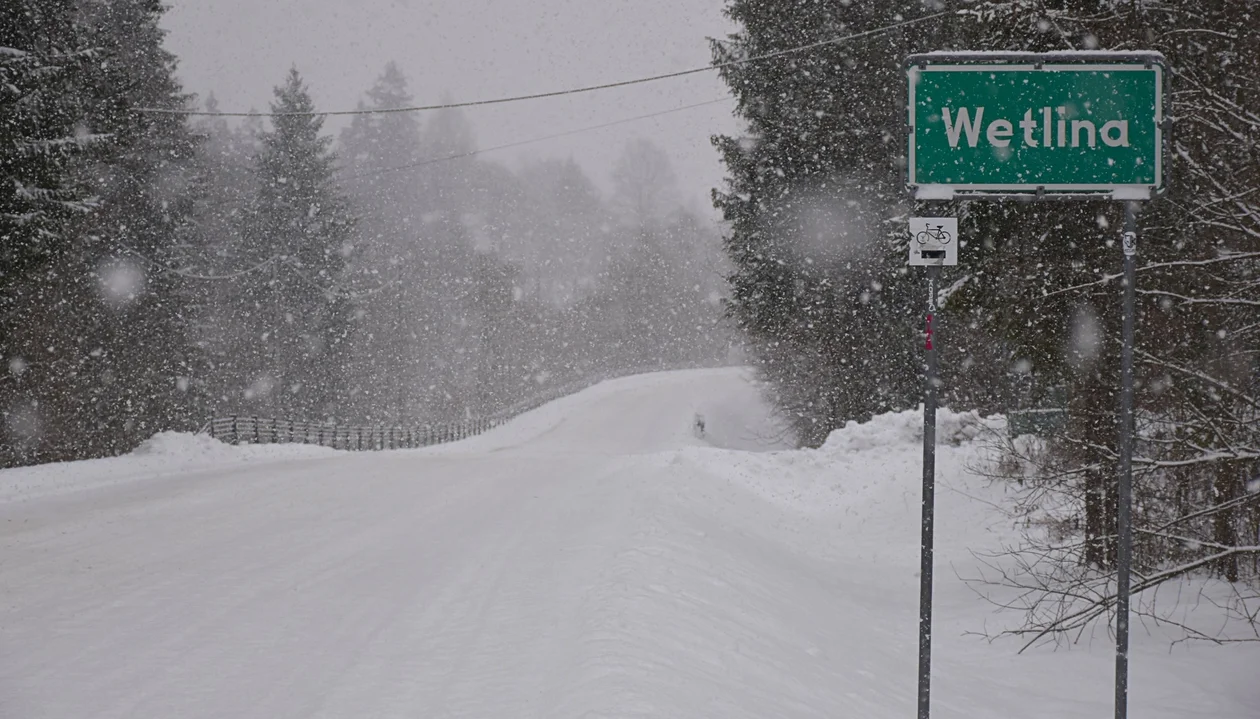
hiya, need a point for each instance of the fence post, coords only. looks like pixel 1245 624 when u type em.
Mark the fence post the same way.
pixel 257 436
pixel 236 431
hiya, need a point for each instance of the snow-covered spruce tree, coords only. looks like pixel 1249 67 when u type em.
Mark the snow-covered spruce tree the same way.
pixel 213 259
pixel 394 333
pixel 1059 320
pixel 562 229
pixel 811 194
pixel 662 269
pixel 452 195
pixel 105 319
pixel 124 347
pixel 300 227
pixel 41 130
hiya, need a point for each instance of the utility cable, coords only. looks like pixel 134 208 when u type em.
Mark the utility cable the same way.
pixel 558 93
pixel 519 143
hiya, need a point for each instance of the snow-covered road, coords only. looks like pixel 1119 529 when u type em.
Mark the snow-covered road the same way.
pixel 591 559
pixel 460 581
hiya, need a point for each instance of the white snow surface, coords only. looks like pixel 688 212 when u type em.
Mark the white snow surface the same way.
pixel 594 558
pixel 162 457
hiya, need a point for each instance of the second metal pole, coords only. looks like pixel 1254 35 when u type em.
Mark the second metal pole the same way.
pixel 1124 499
pixel 929 501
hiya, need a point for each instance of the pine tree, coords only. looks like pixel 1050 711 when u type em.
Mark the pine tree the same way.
pixel 561 230
pixel 808 196
pixel 215 260
pixel 106 320
pixel 1040 277
pixel 394 331
pixel 139 377
pixel 301 228
pixel 41 131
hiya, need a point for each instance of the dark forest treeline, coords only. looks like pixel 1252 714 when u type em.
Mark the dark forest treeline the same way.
pixel 156 271
pixel 817 209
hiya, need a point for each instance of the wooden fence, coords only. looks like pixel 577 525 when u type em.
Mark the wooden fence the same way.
pixel 249 429
pixel 270 430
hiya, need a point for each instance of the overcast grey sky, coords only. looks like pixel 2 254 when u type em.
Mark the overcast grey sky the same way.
pixel 474 49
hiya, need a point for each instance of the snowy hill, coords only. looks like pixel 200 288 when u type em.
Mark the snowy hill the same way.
pixel 596 557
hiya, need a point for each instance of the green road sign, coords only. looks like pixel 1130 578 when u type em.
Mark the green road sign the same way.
pixel 1081 123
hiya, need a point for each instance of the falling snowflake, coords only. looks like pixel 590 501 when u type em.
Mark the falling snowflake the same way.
pixel 120 282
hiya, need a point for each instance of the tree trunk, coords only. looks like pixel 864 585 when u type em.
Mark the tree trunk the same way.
pixel 1224 488
pixel 1093 420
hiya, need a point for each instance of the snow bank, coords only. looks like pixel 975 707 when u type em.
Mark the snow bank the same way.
pixel 190 448
pixel 853 505
pixel 899 428
pixel 165 453
pixel 185 445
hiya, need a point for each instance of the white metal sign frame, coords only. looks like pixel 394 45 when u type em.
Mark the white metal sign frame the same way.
pixel 1039 62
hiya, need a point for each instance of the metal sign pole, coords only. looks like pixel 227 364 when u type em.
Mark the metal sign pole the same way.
pixel 1124 500
pixel 949 150
pixel 929 503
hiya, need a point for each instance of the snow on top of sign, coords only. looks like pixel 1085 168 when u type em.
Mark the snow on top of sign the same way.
pixel 1131 193
pixel 1031 55
pixel 934 192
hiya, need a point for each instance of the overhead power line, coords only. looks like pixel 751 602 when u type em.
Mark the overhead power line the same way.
pixel 509 145
pixel 558 93
pixel 519 143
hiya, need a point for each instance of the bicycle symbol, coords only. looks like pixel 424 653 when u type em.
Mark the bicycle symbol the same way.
pixel 940 234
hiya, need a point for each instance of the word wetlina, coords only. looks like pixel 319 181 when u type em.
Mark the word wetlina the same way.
pixel 1070 133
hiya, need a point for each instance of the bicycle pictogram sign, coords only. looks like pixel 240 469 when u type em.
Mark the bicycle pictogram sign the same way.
pixel 938 233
